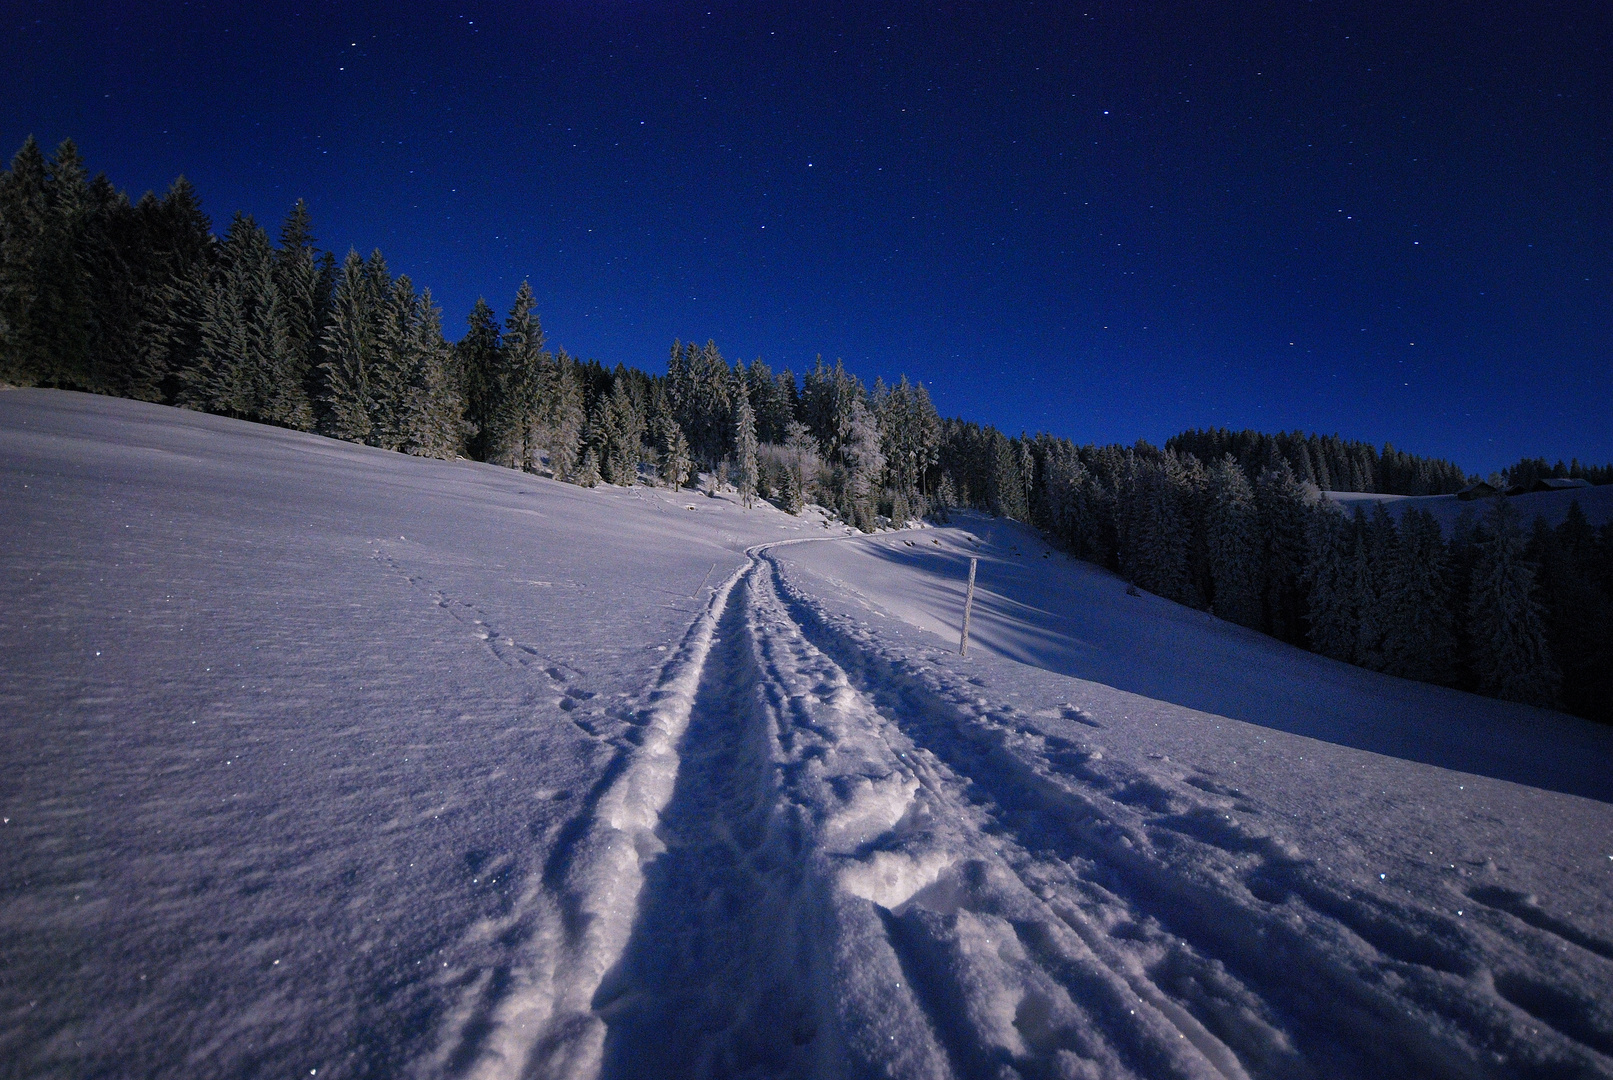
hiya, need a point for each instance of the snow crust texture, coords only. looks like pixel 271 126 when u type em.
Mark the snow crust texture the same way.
pixel 574 784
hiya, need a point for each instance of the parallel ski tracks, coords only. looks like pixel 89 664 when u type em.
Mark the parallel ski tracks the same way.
pixel 814 860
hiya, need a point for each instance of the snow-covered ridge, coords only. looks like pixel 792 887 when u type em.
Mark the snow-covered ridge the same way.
pixel 1596 502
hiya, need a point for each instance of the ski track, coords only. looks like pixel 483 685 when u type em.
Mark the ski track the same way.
pixel 816 857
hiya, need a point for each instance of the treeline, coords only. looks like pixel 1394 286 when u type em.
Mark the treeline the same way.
pixel 1327 461
pixel 1528 470
pixel 1494 607
pixel 139 299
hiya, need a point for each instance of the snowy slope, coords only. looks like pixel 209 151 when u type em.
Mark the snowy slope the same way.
pixel 323 758
pixel 292 728
pixel 1596 502
pixel 1041 608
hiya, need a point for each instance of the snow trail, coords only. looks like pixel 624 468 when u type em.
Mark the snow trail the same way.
pixel 329 758
pixel 1230 940
pixel 821 860
pixel 816 857
pixel 536 1016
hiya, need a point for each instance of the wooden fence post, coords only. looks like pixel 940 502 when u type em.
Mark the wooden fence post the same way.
pixel 968 605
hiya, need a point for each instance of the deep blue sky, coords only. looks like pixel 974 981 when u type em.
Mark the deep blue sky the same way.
pixel 1393 221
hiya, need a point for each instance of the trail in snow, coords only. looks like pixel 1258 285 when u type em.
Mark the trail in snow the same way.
pixel 329 758
pixel 838 864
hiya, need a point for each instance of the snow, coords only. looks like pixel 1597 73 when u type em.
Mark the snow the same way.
pixel 319 757
pixel 1596 502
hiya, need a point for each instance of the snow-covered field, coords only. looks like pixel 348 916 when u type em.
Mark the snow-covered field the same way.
pixel 322 758
pixel 1596 502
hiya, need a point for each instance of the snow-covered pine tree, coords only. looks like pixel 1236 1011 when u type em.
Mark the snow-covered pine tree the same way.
pixel 282 378
pixel 303 276
pixel 184 250
pixel 392 373
pixel 769 401
pixel 700 387
pixel 478 355
pixel 221 379
pixel 676 466
pixel 1232 543
pixel 825 402
pixel 522 363
pixel 666 439
pixel 1510 656
pixel 745 471
pixel 1330 582
pixel 1373 546
pixel 588 471
pixel 1060 500
pixel 1417 641
pixel 1154 553
pixel 246 366
pixel 622 446
pixel 1193 481
pixel 436 425
pixel 1282 509
pixel 861 461
pixel 945 498
pixel 1005 486
pixel 349 351
pixel 789 495
pixel 801 453
pixel 564 417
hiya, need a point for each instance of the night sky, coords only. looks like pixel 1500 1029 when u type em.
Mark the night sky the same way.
pixel 1110 222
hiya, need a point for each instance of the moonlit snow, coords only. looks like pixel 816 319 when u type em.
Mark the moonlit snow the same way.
pixel 325 761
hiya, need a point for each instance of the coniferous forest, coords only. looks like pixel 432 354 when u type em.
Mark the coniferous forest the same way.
pixel 141 299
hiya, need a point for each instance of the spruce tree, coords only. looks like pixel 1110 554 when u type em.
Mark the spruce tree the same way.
pixel 629 427
pixel 670 447
pixel 184 251
pixel 1575 585
pixel 435 423
pixel 1155 527
pixel 220 381
pixel 246 366
pixel 23 225
pixel 801 455
pixel 349 350
pixel 478 353
pixel 1418 642
pixel 1511 656
pixel 588 471
pixel 303 276
pixel 565 416
pixel 945 497
pixel 64 311
pixel 1373 547
pixel 1330 583
pixel 1231 537
pixel 767 400
pixel 522 362
pixel 676 465
pixel 1281 511
pixel 745 448
pixel 1005 490
pixel 861 462
pixel 50 223
pixel 392 375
